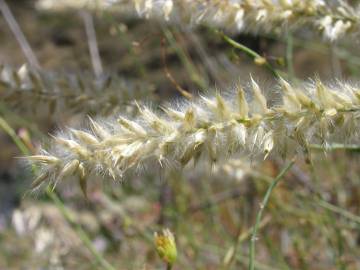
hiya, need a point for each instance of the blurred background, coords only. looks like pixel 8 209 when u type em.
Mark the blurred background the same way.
pixel 312 220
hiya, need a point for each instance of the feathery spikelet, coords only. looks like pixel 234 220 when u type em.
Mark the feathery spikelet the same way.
pixel 29 89
pixel 211 127
pixel 332 18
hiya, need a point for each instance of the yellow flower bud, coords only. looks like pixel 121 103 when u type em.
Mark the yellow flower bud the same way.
pixel 166 246
pixel 260 61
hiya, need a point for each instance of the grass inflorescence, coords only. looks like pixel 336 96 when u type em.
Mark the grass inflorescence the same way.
pixel 212 127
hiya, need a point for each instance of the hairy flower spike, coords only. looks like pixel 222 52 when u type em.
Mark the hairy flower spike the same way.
pixel 84 137
pixel 333 18
pixel 132 126
pixel 291 101
pixel 243 105
pixel 98 130
pixel 259 99
pixel 69 169
pixel 211 128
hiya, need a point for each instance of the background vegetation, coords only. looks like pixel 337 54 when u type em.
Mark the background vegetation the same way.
pixel 312 218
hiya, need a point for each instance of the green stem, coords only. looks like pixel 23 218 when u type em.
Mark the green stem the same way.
pixel 62 208
pixel 254 55
pixel 239 258
pixel 12 134
pixel 340 211
pixel 262 208
pixel 228 262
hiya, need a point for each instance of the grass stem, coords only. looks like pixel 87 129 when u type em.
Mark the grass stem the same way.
pixel 254 55
pixel 260 213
